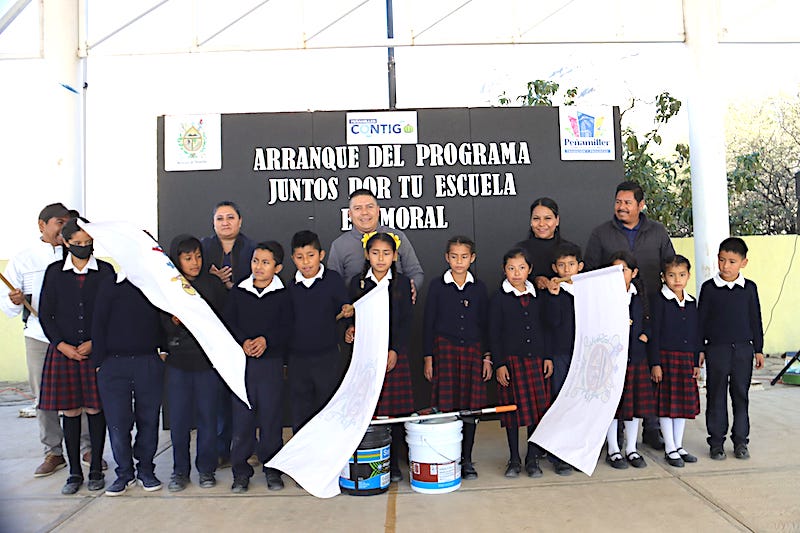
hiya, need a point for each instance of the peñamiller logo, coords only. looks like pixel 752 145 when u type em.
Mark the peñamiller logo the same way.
pixel 586 134
pixel 382 127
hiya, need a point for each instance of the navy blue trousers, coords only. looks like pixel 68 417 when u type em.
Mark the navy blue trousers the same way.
pixel 264 381
pixel 224 421
pixel 729 368
pixel 192 399
pixel 131 388
pixel 560 370
pixel 312 382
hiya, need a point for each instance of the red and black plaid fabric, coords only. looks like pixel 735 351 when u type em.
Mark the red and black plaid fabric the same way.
pixel 67 384
pixel 397 396
pixel 457 376
pixel 638 396
pixel 527 389
pixel 676 395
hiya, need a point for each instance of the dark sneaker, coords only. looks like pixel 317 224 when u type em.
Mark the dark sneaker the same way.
pixel 686 456
pixel 717 453
pixel 396 475
pixel 562 468
pixel 513 469
pixel 653 439
pixel 740 451
pixel 97 481
pixel 274 480
pixel 615 460
pixel 51 463
pixel 119 486
pixel 149 482
pixel 207 480
pixel 468 470
pixel 240 485
pixel 177 482
pixel 72 485
pixel 532 468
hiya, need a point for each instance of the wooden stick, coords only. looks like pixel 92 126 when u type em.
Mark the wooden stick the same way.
pixel 25 302
pixel 567 279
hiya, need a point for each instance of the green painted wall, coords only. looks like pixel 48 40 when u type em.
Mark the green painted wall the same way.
pixel 769 262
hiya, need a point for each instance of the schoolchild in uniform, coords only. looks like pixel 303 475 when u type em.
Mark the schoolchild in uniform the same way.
pixel 455 344
pixel 69 383
pixel 518 339
pixel 318 296
pixel 638 397
pixel 560 320
pixel 397 397
pixel 730 319
pixel 259 313
pixel 127 336
pixel 675 343
pixel 192 383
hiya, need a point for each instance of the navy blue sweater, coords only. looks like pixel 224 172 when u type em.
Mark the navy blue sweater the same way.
pixel 673 328
pixel 637 350
pixel 515 329
pixel 270 316
pixel 459 316
pixel 125 322
pixel 401 310
pixel 66 308
pixel 559 317
pixel 730 316
pixel 315 308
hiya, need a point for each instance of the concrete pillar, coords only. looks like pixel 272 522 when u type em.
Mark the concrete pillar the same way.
pixel 706 136
pixel 63 133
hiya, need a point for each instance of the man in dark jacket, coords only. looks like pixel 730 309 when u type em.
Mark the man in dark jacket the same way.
pixel 649 243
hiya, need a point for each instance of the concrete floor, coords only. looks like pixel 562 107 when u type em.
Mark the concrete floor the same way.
pixel 732 495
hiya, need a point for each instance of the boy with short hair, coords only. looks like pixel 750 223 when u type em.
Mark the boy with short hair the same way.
pixel 560 318
pixel 730 321
pixel 260 315
pixel 318 296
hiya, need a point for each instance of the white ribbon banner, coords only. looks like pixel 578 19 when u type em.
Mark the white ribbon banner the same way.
pixel 147 266
pixel 314 457
pixel 575 426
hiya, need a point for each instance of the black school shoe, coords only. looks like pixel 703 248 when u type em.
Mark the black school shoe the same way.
pixel 468 470
pixel 207 480
pixel 740 451
pixel 240 484
pixel 532 467
pixel 562 468
pixel 636 460
pixel 97 481
pixel 686 456
pixel 513 469
pixel 677 462
pixel 274 480
pixel 178 482
pixel 717 453
pixel 72 485
pixel 615 460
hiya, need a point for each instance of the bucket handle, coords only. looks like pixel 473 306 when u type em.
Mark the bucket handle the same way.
pixel 449 460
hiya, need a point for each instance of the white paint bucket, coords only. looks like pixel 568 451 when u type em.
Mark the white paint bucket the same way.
pixel 434 455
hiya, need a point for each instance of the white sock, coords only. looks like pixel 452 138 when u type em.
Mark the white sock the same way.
pixel 611 438
pixel 667 432
pixel 678 426
pixel 631 432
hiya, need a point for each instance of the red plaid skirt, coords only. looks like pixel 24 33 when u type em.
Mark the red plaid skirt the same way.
pixel 528 389
pixel 638 396
pixel 68 384
pixel 676 395
pixel 457 376
pixel 397 396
